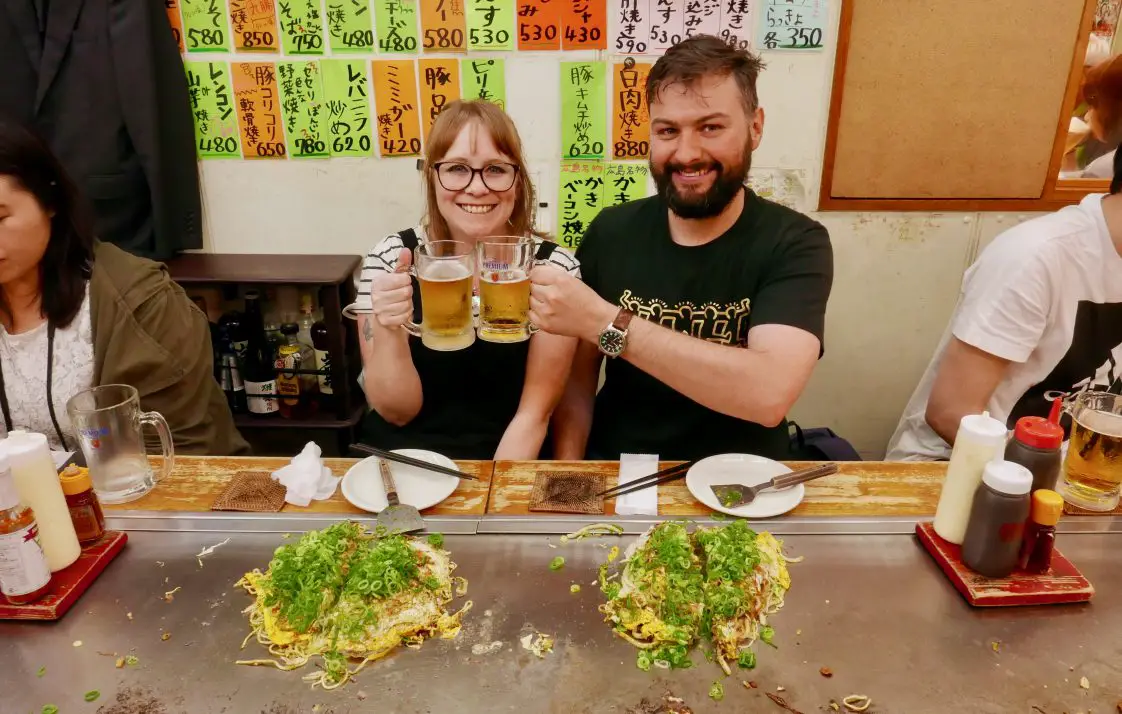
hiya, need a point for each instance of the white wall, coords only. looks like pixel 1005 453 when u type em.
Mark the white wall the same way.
pixel 897 274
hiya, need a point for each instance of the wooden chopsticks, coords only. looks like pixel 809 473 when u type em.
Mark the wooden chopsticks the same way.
pixel 666 475
pixel 401 459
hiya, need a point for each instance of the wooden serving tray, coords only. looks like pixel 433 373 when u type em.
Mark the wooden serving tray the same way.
pixel 1063 583
pixel 68 584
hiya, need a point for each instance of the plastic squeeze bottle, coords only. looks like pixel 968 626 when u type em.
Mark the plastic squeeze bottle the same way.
pixel 980 440
pixel 24 574
pixel 39 487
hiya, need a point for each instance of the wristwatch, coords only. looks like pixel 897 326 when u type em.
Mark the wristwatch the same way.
pixel 613 338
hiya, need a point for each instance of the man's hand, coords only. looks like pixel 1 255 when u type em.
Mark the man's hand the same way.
pixel 563 305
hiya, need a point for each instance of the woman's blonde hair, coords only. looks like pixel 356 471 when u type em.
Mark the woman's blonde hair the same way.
pixel 492 119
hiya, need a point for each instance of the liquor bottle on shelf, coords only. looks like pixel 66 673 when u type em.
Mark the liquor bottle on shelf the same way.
pixel 307 318
pixel 233 322
pixel 320 345
pixel 259 373
pixel 231 381
pixel 296 379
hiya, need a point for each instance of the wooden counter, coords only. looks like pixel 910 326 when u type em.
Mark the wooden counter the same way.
pixel 862 488
pixel 197 480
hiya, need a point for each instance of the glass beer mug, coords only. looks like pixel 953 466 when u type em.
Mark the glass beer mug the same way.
pixel 108 420
pixel 504 288
pixel 445 271
pixel 1093 467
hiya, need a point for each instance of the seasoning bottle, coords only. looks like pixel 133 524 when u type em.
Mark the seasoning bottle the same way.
pixel 980 440
pixel 1040 534
pixel 997 520
pixel 24 574
pixel 296 378
pixel 85 509
pixel 37 482
pixel 1036 446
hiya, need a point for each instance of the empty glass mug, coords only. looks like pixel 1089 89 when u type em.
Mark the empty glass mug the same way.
pixel 445 271
pixel 1093 467
pixel 504 288
pixel 108 422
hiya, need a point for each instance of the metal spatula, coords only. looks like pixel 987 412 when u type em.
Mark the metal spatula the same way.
pixel 733 495
pixel 397 517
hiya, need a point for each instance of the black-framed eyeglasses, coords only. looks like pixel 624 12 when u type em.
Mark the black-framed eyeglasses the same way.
pixel 456 175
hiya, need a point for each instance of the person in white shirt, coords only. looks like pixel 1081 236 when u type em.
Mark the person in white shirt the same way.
pixel 1039 316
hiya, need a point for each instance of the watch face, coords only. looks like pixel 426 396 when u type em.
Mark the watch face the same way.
pixel 611 341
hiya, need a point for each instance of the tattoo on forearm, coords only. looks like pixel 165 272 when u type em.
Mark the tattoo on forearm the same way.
pixel 367 331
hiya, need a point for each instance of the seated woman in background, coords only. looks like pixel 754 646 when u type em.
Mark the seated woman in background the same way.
pixel 76 313
pixel 1098 128
pixel 488 400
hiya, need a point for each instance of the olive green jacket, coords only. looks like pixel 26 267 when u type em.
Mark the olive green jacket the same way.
pixel 148 333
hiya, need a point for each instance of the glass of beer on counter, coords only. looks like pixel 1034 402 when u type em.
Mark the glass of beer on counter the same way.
pixel 1093 468
pixel 504 288
pixel 445 271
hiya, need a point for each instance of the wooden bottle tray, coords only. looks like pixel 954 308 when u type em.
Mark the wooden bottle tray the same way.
pixel 1063 583
pixel 68 584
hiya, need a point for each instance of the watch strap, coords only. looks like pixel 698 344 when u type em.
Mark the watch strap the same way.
pixel 623 319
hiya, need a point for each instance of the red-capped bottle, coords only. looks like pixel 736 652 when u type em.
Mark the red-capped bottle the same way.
pixel 1036 446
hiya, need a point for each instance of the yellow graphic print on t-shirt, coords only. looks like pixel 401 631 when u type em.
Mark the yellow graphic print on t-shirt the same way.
pixel 725 324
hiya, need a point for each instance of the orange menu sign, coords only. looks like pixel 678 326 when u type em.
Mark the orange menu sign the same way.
pixel 539 24
pixel 254 23
pixel 443 26
pixel 586 24
pixel 395 98
pixel 440 84
pixel 172 7
pixel 631 120
pixel 259 109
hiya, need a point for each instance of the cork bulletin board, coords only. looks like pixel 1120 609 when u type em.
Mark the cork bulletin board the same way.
pixel 955 99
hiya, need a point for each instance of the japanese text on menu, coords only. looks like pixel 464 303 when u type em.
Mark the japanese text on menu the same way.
pixel 632 26
pixel 584 128
pixel 396 21
pixel 204 24
pixel 395 97
pixel 443 25
pixel 587 187
pixel 212 105
pixel 258 102
pixel 490 24
pixel 349 26
pixel 631 119
pixel 254 23
pixel 302 99
pixel 485 79
pixel 347 100
pixel 440 85
pixel 653 26
pixel 301 26
pixel 792 24
pixel 539 24
pixel 585 25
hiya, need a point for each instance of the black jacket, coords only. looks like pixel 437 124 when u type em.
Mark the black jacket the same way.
pixel 103 83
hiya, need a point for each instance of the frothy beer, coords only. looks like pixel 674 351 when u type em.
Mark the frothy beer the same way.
pixel 504 305
pixel 446 319
pixel 1094 460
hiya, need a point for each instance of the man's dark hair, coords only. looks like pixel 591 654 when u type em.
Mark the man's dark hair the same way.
pixel 701 56
pixel 65 266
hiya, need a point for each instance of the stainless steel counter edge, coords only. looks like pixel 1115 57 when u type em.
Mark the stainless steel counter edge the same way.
pixel 203 522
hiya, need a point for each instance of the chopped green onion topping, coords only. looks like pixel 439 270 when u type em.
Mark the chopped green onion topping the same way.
pixel 92 696
pixel 557 563
pixel 717 692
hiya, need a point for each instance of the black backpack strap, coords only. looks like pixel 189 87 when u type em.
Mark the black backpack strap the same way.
pixel 545 249
pixel 409 239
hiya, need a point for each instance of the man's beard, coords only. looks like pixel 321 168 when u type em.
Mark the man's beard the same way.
pixel 727 184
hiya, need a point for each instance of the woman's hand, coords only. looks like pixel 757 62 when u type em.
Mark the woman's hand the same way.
pixel 391 294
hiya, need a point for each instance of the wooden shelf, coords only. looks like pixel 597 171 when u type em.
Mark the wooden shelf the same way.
pixel 274 269
pixel 320 421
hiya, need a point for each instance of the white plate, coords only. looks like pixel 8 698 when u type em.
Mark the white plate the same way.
pixel 417 487
pixel 746 470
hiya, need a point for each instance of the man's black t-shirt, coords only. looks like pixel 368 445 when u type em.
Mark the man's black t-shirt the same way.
pixel 774 266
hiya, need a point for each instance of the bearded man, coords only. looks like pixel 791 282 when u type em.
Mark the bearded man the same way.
pixel 709 300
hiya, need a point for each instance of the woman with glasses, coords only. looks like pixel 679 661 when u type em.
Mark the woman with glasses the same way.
pixel 488 400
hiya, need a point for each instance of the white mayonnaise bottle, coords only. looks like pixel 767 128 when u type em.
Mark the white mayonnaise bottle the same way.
pixel 980 440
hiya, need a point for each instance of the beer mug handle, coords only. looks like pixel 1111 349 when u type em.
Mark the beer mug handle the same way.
pixel 411 327
pixel 157 421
